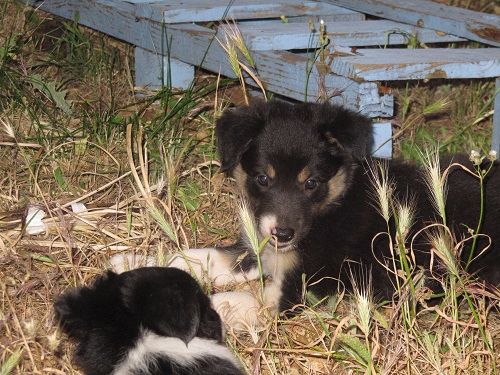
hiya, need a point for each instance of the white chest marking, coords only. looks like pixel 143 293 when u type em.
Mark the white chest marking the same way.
pixel 175 349
pixel 276 264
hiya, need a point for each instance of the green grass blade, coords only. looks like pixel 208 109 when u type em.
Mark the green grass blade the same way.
pixel 59 177
pixel 159 218
pixel 355 348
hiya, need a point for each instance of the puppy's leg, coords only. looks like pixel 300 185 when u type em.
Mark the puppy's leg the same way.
pixel 243 310
pixel 222 266
pixel 239 310
pixel 128 261
pixel 232 264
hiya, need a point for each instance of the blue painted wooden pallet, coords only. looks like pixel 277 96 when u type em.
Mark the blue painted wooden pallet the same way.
pixel 279 33
pixel 480 27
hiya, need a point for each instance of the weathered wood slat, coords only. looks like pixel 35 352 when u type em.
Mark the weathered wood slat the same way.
pixel 182 11
pixel 331 17
pixel 149 66
pixel 283 72
pixel 461 22
pixel 141 1
pixel 397 64
pixel 282 36
pixel 382 145
pixel 495 144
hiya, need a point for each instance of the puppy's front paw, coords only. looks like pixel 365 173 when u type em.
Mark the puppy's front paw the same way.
pixel 198 262
pixel 215 264
pixel 128 261
pixel 239 310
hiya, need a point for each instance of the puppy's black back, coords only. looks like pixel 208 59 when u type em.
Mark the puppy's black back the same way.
pixel 97 320
pixel 463 211
pixel 153 312
pixel 351 230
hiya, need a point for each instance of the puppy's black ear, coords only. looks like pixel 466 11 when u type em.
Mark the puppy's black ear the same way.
pixel 79 309
pixel 164 301
pixel 236 129
pixel 210 323
pixel 346 131
pixel 68 314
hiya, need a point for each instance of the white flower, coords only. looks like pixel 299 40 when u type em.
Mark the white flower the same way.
pixel 475 157
pixel 492 155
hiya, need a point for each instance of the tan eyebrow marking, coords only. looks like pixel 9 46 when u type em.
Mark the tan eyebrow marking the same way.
pixel 303 175
pixel 336 187
pixel 270 171
pixel 241 177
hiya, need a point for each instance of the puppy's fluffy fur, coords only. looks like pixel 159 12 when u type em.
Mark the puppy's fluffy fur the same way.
pixel 304 170
pixel 145 321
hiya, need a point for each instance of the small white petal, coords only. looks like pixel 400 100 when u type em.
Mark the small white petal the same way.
pixel 34 222
pixel 78 208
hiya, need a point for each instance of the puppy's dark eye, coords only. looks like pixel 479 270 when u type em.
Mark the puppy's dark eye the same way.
pixel 311 184
pixel 263 180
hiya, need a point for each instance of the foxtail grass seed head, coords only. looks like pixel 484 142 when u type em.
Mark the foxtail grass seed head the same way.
pixel 436 106
pixel 242 47
pixel 248 223
pixel 53 341
pixel 363 300
pixel 31 328
pixel 235 39
pixel 383 188
pixel 442 245
pixel 435 181
pixel 363 306
pixel 233 58
pixel 8 129
pixel 405 212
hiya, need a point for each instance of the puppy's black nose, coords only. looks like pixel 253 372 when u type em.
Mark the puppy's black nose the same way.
pixel 284 234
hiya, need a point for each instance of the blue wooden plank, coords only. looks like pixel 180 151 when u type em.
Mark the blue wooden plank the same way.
pixel 149 66
pixel 282 36
pixel 331 17
pixel 407 64
pixel 464 23
pixel 382 145
pixel 495 144
pixel 283 72
pixel 182 11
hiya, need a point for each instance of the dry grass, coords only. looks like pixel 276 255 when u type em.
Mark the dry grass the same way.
pixel 51 158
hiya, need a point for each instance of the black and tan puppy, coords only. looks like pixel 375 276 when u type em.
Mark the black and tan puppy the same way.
pixel 147 321
pixel 304 170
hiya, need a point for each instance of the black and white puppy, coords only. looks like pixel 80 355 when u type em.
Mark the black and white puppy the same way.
pixel 146 321
pixel 304 169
